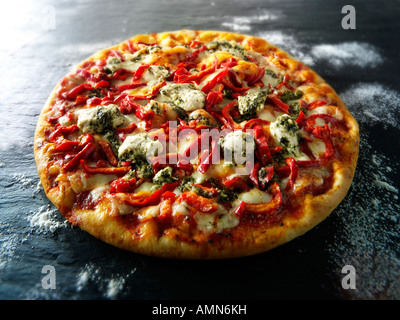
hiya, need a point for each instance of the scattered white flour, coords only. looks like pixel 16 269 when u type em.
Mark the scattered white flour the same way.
pixel 373 103
pixel 368 228
pixel 46 219
pixel 22 180
pixel 348 54
pixel 111 287
pixel 289 44
pixel 245 23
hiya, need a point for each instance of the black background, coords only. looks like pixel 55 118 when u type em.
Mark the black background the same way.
pixel 36 56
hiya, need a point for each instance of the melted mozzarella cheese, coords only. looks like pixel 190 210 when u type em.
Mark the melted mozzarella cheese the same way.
pixel 255 196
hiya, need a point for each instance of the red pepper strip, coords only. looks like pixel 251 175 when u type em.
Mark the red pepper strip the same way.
pixel 294 169
pixel 120 74
pixel 111 170
pixel 95 101
pixel 102 84
pixel 309 124
pixel 221 119
pixel 122 185
pixel 254 78
pixel 212 99
pixel 236 183
pixel 198 202
pixel 230 123
pixel 324 133
pixel 146 43
pixel 325 117
pixel 129 129
pixel 85 139
pixel 115 53
pixel 231 62
pixel 316 104
pixel 279 103
pixel 268 208
pixel 84 73
pixel 83 154
pixel 301 119
pixel 233 78
pixel 168 195
pixel 66 145
pixel 80 100
pixel 214 81
pixel 130 86
pixel 285 83
pixel 195 43
pixel 196 142
pixel 230 86
pixel 196 53
pixel 153 92
pixel 202 168
pixel 108 152
pixel 72 94
pixel 254 174
pixel 61 130
pixel 139 71
pixel 254 122
pixel 185 166
pixel 188 77
pixel 262 144
pixel 131 48
pixel 154 198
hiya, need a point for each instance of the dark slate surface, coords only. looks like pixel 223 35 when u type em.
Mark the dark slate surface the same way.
pixel 42 40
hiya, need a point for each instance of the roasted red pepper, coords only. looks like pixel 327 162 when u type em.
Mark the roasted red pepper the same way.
pixel 301 119
pixel 103 170
pixel 108 151
pixel 294 170
pixel 257 77
pixel 154 198
pixel 152 93
pixel 285 83
pixel 83 154
pixel 197 77
pixel 198 202
pixel 226 112
pixel 270 208
pixel 61 130
pixel 253 122
pixel 202 168
pixel 139 71
pixel 212 99
pixel 236 183
pixel 122 185
pixel 262 145
pixel 66 145
pixel 130 86
pixel 214 81
pixel 72 94
pixel 279 103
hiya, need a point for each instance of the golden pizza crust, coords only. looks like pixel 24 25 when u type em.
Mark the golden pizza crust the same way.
pixel 104 226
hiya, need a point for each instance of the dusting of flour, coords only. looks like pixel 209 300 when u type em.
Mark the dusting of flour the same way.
pixel 373 103
pixel 348 53
pixel 111 287
pixel 368 228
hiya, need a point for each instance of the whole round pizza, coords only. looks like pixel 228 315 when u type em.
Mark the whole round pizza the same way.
pixel 195 145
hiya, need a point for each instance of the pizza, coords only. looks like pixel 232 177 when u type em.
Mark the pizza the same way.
pixel 195 145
